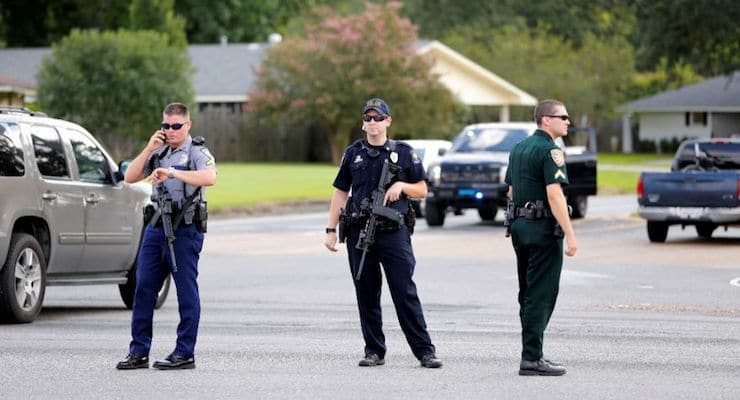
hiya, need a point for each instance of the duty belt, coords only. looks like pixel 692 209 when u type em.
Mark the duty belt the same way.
pixel 532 211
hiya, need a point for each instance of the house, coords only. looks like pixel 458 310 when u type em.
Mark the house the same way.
pixel 703 110
pixel 224 74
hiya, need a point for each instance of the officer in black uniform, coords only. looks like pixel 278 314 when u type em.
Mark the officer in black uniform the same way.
pixel 540 217
pixel 184 168
pixel 360 171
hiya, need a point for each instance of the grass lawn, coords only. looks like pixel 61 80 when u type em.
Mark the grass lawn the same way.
pixel 251 184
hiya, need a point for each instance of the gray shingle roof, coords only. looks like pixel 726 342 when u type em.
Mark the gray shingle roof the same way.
pixel 225 72
pixel 21 64
pixel 717 94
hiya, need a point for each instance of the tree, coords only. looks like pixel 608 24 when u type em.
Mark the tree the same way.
pixel 158 16
pixel 588 80
pixel 326 76
pixel 239 21
pixel 703 33
pixel 114 83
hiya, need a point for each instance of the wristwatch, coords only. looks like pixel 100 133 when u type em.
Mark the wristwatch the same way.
pixel 170 172
pixel 331 230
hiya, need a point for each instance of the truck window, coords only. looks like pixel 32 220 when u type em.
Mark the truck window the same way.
pixel 47 146
pixel 488 139
pixel 91 162
pixel 11 151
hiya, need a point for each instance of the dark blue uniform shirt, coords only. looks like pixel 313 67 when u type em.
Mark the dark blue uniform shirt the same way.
pixel 362 165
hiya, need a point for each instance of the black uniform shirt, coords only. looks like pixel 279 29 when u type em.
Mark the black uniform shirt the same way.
pixel 362 165
pixel 534 163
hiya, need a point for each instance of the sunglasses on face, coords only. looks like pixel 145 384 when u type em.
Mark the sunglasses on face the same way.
pixel 376 117
pixel 563 117
pixel 174 127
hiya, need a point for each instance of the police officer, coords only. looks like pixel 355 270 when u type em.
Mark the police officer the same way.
pixel 185 167
pixel 360 171
pixel 536 174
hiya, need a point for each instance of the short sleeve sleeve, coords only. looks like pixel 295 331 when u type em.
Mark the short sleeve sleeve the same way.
pixel 554 166
pixel 201 158
pixel 343 180
pixel 414 169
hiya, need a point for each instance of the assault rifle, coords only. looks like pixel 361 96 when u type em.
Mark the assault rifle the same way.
pixel 164 211
pixel 376 209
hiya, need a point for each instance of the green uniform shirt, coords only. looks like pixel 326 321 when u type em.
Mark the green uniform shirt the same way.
pixel 534 163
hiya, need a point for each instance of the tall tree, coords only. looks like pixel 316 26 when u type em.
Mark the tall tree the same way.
pixel 326 76
pixel 703 33
pixel 158 16
pixel 588 79
pixel 113 83
pixel 239 21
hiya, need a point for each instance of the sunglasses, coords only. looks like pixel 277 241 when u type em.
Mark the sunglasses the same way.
pixel 174 127
pixel 376 117
pixel 563 117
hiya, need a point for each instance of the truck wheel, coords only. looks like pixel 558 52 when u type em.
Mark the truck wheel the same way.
pixel 128 290
pixel 579 205
pixel 657 231
pixel 22 280
pixel 487 213
pixel 434 214
pixel 705 230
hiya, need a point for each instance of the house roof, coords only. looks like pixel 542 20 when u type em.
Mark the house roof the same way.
pixel 225 72
pixel 719 94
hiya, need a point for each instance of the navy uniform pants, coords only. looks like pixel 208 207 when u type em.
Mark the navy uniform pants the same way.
pixel 152 270
pixel 539 257
pixel 393 251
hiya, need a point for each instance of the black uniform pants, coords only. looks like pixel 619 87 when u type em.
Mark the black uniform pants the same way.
pixel 392 250
pixel 539 256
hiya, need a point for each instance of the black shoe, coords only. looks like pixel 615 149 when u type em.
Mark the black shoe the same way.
pixel 371 360
pixel 173 361
pixel 551 362
pixel 133 361
pixel 540 367
pixel 431 361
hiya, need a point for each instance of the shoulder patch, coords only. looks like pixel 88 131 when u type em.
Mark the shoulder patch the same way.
pixel 557 157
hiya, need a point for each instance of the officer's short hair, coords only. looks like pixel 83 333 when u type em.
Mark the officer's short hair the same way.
pixel 545 107
pixel 176 109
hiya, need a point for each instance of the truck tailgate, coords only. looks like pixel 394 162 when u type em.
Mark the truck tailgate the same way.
pixel 690 189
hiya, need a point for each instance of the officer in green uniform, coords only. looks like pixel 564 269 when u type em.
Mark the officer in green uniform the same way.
pixel 539 221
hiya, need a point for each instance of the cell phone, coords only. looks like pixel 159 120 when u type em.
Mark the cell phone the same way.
pixel 163 137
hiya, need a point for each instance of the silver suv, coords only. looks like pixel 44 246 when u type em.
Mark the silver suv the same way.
pixel 66 216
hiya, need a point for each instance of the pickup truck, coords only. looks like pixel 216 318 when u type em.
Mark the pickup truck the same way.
pixel 702 189
pixel 471 174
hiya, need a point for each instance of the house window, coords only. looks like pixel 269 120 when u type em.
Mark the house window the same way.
pixel 695 118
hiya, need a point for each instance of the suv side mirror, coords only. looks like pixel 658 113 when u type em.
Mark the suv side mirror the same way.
pixel 122 167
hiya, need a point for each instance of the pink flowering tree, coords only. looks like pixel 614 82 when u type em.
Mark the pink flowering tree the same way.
pixel 325 77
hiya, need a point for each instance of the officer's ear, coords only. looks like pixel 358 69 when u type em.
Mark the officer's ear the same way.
pixel 389 119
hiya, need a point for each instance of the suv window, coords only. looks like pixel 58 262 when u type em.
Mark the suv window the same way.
pixel 50 158
pixel 11 151
pixel 91 162
pixel 488 139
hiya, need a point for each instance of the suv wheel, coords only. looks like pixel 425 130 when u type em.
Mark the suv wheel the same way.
pixel 128 290
pixel 434 214
pixel 487 213
pixel 22 280
pixel 579 205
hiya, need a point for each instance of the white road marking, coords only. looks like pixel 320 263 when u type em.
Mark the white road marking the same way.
pixel 735 282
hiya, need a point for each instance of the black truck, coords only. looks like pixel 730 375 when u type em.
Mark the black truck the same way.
pixel 472 173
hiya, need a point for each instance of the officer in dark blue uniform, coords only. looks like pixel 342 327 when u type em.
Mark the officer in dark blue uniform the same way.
pixel 184 168
pixel 360 171
pixel 539 222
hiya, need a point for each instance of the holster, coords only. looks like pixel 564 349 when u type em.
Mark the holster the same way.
pixel 410 219
pixel 201 216
pixel 149 211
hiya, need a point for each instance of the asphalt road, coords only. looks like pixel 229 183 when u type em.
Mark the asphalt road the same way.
pixel 634 320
